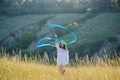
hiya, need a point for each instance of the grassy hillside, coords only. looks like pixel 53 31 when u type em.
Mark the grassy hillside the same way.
pixel 12 24
pixel 97 28
pixel 92 30
pixel 61 19
pixel 65 18
pixel 21 70
pixel 3 17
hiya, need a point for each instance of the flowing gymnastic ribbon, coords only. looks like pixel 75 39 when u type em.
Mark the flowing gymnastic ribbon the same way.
pixel 39 44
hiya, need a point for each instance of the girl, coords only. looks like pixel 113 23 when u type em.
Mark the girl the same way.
pixel 62 56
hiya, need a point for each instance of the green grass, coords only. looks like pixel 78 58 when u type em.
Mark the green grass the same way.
pixel 12 24
pixel 97 28
pixel 61 19
pixel 15 23
pixel 65 18
pixel 3 17
pixel 92 30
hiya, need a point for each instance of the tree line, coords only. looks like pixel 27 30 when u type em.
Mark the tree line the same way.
pixel 18 7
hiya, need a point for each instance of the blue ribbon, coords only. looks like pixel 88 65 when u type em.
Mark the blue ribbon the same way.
pixel 39 44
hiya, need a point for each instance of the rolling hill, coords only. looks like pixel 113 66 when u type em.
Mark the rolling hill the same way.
pixel 98 28
pixel 12 24
pixel 95 29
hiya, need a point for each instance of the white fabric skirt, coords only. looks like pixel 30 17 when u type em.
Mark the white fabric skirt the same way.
pixel 62 59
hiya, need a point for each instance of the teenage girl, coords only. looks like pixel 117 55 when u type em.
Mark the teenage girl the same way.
pixel 62 56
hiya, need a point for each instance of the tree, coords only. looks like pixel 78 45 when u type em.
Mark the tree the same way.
pixel 118 3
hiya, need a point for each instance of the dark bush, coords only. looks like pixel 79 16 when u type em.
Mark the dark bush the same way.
pixel 112 38
pixel 26 39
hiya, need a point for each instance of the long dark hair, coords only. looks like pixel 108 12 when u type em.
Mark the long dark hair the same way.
pixel 64 47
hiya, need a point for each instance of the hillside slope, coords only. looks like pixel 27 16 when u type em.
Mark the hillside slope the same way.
pixel 61 19
pixel 9 25
pixel 92 30
pixel 95 30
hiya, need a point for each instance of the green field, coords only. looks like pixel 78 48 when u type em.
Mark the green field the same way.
pixel 61 19
pixel 97 28
pixel 65 18
pixel 12 24
pixel 3 17
pixel 94 29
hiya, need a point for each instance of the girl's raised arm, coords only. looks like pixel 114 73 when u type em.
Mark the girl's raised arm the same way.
pixel 56 42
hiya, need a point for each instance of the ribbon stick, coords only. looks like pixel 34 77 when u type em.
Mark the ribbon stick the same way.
pixel 39 44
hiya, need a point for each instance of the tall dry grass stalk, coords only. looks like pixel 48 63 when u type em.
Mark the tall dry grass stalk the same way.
pixel 37 68
pixel 77 61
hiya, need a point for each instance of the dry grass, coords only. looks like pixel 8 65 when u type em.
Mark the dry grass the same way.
pixel 12 69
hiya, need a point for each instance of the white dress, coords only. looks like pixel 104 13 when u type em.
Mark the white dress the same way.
pixel 62 56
